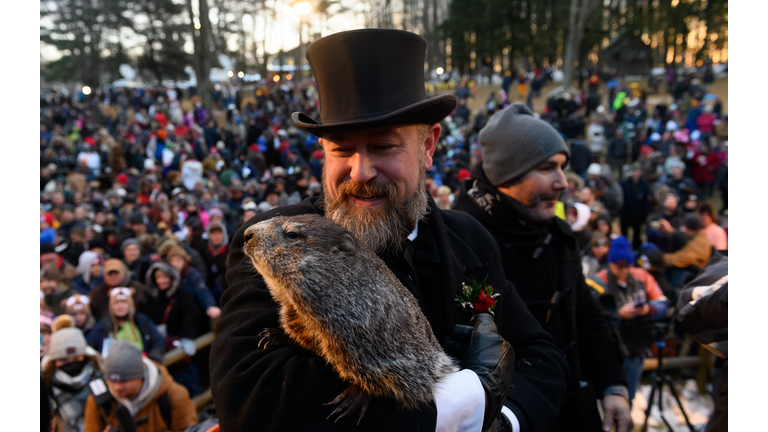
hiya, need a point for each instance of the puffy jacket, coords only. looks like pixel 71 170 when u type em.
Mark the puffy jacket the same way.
pixel 182 409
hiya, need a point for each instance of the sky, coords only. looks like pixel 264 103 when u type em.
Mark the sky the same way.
pixel 283 30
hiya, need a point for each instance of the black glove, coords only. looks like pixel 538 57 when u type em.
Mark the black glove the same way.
pixel 500 424
pixel 492 359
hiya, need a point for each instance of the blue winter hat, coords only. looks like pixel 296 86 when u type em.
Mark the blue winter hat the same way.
pixel 620 251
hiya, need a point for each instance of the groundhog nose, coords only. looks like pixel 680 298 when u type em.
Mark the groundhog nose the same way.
pixel 250 233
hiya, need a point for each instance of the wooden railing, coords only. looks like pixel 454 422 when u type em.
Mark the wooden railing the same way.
pixel 177 354
pixel 203 399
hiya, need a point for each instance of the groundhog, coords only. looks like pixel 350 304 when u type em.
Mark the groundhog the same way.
pixel 339 300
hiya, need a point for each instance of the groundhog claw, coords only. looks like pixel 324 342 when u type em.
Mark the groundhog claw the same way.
pixel 350 401
pixel 270 335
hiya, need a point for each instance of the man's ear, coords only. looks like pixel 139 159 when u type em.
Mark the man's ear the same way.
pixel 430 144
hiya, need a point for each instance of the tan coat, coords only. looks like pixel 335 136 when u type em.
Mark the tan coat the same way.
pixel 183 413
pixel 697 252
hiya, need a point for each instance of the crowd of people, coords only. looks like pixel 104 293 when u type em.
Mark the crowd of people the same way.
pixel 141 191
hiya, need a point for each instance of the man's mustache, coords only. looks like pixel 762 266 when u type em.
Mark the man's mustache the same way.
pixel 371 188
pixel 549 197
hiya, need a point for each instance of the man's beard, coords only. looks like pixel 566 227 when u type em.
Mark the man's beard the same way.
pixel 533 210
pixel 382 230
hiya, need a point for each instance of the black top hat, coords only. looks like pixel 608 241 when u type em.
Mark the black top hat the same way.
pixel 370 78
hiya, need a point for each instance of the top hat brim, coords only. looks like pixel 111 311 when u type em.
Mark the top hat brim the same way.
pixel 428 111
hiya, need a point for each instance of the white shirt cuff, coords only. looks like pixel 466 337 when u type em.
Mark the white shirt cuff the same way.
pixel 460 401
pixel 512 418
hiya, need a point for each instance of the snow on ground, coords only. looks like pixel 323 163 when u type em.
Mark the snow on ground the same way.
pixel 698 408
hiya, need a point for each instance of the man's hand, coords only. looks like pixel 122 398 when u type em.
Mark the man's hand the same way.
pixel 213 312
pixel 628 311
pixel 491 358
pixel 642 310
pixel 616 413
pixel 666 226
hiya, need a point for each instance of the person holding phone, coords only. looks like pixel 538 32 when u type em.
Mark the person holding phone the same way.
pixel 632 298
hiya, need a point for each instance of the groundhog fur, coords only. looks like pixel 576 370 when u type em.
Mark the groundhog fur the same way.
pixel 339 300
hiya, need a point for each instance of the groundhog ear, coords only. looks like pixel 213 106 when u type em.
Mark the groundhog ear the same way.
pixel 347 245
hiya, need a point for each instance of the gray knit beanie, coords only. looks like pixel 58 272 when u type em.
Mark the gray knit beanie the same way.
pixel 514 142
pixel 129 241
pixel 123 362
pixel 66 342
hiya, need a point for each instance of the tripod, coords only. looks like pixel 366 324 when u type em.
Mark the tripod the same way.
pixel 659 379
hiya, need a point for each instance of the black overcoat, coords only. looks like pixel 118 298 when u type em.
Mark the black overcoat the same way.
pixel 551 283
pixel 284 388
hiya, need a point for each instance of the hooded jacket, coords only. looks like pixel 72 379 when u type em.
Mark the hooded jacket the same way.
pixel 157 382
pixel 173 307
pixel 544 264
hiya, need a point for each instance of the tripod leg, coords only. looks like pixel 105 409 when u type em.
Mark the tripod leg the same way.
pixel 654 384
pixel 661 406
pixel 668 380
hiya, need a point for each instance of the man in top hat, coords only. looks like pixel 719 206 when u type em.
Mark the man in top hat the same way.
pixel 513 193
pixel 379 131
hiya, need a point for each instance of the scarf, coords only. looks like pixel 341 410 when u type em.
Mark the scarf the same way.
pixel 148 390
pixel 71 393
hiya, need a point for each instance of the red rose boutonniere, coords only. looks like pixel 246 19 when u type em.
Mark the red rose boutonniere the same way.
pixel 477 298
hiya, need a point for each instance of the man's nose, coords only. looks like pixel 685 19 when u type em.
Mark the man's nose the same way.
pixel 362 169
pixel 561 183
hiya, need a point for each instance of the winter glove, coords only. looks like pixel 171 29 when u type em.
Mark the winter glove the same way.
pixel 492 359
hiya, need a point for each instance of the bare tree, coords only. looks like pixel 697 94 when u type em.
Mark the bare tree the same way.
pixel 580 12
pixel 202 43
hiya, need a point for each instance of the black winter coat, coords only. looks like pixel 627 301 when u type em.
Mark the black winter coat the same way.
pixel 617 150
pixel 284 388
pixel 580 156
pixel 637 200
pixel 183 314
pixel 544 264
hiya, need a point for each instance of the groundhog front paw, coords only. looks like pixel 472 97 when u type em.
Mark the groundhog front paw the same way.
pixel 349 402
pixel 272 336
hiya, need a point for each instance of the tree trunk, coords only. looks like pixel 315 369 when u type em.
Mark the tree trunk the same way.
pixel 204 88
pixel 577 20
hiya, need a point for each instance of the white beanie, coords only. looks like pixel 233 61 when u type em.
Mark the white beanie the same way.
pixel 66 342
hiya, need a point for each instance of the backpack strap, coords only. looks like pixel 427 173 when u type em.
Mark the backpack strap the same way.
pixel 165 409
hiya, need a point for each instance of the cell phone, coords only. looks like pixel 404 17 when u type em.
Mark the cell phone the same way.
pixel 640 299
pixel 656 224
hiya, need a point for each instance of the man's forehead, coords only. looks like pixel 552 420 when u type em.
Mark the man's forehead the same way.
pixel 559 158
pixel 398 132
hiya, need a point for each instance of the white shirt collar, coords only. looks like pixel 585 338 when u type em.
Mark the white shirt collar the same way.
pixel 414 233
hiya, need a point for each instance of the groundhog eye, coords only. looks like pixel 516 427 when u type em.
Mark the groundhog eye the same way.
pixel 292 236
